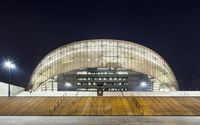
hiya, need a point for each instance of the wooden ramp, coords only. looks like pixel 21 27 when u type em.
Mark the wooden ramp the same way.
pixel 100 106
pixel 97 106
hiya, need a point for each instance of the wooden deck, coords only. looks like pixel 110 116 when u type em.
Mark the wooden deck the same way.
pixel 100 106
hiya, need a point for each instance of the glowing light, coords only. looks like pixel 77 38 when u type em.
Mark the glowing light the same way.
pixel 143 84
pixel 9 64
pixel 67 84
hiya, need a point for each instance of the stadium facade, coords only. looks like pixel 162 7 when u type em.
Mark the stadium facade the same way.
pixel 107 64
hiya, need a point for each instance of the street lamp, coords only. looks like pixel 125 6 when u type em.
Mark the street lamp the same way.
pixel 9 65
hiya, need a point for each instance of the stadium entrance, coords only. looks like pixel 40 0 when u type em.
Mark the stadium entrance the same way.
pixel 107 79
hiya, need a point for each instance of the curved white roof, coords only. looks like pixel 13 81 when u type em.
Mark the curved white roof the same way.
pixel 104 53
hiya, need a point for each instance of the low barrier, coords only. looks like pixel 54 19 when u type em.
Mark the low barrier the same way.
pixel 57 104
pixel 137 104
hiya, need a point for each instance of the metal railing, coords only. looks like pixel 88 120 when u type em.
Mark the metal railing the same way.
pixel 137 104
pixel 122 93
pixel 55 106
pixel 77 93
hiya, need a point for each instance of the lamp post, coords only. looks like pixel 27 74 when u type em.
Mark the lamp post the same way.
pixel 9 65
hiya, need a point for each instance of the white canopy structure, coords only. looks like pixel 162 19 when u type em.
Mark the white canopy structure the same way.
pixel 105 53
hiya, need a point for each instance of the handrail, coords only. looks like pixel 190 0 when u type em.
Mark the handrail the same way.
pixel 77 93
pixel 122 93
pixel 137 103
pixel 57 104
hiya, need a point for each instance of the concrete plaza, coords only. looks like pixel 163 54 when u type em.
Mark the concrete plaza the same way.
pixel 100 120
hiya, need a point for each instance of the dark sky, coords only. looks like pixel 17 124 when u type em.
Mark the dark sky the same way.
pixel 29 30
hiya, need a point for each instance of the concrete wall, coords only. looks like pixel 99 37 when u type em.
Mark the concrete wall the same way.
pixel 14 90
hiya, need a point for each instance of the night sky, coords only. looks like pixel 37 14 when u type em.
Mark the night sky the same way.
pixel 29 30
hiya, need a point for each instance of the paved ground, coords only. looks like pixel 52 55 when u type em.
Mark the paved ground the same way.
pixel 100 106
pixel 99 120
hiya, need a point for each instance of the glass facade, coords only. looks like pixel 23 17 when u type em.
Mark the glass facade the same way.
pixel 103 53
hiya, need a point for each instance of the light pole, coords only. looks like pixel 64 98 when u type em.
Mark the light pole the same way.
pixel 9 65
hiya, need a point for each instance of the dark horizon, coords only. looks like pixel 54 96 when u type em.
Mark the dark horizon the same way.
pixel 31 29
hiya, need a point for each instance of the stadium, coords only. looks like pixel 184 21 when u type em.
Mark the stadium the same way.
pixel 100 77
pixel 110 65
